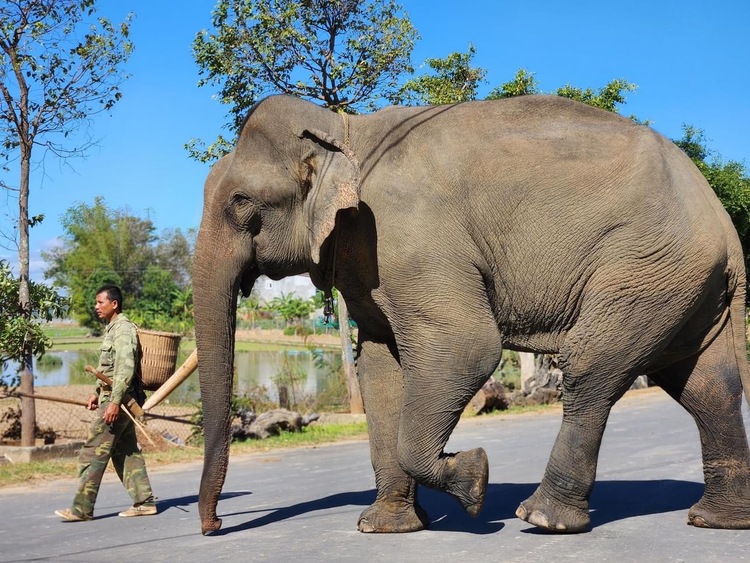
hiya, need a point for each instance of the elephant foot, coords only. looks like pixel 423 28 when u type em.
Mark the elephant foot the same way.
pixel 392 516
pixel 210 525
pixel 466 478
pixel 545 513
pixel 703 515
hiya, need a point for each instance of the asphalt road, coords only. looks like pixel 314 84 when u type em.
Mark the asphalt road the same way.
pixel 302 504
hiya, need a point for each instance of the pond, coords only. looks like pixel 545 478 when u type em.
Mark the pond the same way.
pixel 253 369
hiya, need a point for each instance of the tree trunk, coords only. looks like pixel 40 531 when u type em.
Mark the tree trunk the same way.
pixel 28 407
pixel 528 368
pixel 490 397
pixel 347 359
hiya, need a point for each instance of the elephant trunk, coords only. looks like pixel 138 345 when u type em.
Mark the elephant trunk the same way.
pixel 216 287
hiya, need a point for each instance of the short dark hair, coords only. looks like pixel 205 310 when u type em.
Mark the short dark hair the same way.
pixel 113 294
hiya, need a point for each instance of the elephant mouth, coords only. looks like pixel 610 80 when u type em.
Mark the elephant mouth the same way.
pixel 247 281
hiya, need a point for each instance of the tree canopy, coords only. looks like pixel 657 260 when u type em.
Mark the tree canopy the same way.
pixel 102 245
pixel 344 54
pixel 58 67
pixel 453 79
pixel 16 330
pixel 450 80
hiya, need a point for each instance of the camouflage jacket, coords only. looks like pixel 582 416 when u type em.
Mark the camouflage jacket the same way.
pixel 118 358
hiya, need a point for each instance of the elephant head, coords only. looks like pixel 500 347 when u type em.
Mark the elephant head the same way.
pixel 269 206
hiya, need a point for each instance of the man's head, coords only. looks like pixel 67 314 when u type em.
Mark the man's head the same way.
pixel 108 302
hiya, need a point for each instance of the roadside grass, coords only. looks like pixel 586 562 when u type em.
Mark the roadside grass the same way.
pixel 15 474
pixel 19 474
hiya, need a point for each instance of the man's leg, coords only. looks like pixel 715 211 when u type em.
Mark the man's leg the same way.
pixel 128 461
pixel 92 462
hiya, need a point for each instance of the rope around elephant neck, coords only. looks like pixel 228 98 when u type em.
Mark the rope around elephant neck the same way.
pixel 328 311
pixel 345 117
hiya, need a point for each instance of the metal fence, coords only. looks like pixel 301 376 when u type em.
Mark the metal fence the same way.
pixel 57 418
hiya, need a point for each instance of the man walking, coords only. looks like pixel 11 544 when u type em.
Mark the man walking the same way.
pixel 112 434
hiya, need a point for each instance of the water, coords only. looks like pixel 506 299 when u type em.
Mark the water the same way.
pixel 252 369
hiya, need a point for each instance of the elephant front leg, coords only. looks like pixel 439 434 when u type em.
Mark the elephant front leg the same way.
pixel 437 388
pixel 381 381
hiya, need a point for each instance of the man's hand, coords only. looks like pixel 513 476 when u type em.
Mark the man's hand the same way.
pixel 93 403
pixel 111 413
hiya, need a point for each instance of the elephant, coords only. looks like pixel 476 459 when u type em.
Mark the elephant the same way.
pixel 452 232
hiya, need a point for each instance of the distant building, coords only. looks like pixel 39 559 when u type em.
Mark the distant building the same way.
pixel 299 286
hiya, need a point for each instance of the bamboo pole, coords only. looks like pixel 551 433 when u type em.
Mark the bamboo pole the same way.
pixel 35 396
pixel 182 373
pixel 16 394
pixel 44 398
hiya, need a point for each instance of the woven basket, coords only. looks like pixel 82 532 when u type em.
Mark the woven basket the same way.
pixel 158 357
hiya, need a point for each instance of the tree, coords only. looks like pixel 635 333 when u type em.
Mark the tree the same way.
pixel 606 98
pixel 523 83
pixel 174 253
pixel 156 295
pixel 100 245
pixel 16 330
pixel 345 55
pixel 59 66
pixel 453 80
pixel 291 308
pixel 249 308
pixel 182 308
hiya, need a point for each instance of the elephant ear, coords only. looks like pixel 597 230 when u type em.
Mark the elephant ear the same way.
pixel 333 183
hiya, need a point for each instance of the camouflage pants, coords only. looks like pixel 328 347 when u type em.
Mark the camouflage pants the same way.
pixel 116 442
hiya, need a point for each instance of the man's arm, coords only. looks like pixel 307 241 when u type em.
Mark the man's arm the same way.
pixel 125 343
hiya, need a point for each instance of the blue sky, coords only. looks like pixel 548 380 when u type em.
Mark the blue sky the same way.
pixel 689 58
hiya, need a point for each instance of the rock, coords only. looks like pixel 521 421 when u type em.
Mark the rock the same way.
pixel 270 423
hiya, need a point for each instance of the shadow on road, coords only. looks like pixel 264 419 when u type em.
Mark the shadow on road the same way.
pixel 610 501
pixel 180 503
pixel 617 500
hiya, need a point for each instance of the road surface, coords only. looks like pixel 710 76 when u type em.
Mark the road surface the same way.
pixel 302 504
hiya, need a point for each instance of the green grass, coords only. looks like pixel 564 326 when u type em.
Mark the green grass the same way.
pixel 64 331
pixel 17 474
pixel 312 435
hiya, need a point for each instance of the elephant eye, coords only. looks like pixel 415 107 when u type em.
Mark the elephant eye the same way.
pixel 244 213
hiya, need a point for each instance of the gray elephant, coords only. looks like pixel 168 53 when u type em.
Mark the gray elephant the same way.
pixel 534 224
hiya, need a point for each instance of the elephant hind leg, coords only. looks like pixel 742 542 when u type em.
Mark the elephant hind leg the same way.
pixel 598 368
pixel 709 388
pixel 561 502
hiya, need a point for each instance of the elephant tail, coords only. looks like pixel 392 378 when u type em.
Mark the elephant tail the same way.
pixel 736 289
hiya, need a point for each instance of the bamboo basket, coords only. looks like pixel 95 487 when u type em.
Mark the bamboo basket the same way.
pixel 158 357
